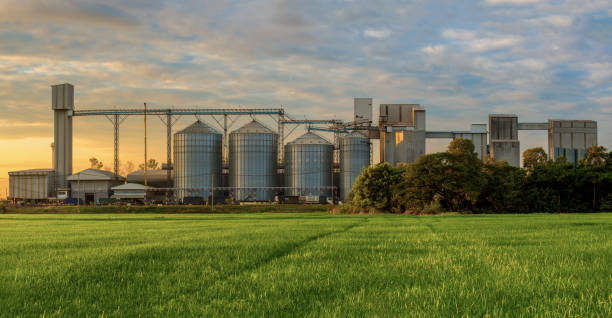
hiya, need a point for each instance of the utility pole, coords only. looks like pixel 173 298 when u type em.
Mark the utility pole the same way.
pixel 145 145
pixel 145 153
pixel 79 192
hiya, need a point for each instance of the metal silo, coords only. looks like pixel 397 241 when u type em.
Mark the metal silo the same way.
pixel 308 165
pixel 253 151
pixel 354 155
pixel 197 161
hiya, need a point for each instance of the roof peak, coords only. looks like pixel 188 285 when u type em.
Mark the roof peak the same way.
pixel 254 127
pixel 198 127
pixel 309 138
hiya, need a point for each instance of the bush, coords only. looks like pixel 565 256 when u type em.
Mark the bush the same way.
pixel 434 207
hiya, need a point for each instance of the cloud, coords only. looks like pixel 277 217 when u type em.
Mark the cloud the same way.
pixel 433 49
pixel 480 42
pixel 69 11
pixel 487 44
pixel 459 34
pixel 510 2
pixel 377 33
pixel 558 21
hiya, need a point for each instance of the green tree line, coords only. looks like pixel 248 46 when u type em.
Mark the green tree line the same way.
pixel 456 180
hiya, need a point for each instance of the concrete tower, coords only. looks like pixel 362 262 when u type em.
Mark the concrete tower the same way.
pixel 571 138
pixel 503 138
pixel 62 104
pixel 402 132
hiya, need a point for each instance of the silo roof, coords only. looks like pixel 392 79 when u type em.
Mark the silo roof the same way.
pixel 198 128
pixel 309 138
pixel 355 134
pixel 253 127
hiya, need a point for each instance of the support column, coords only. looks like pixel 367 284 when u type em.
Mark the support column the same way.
pixel 281 139
pixel 225 150
pixel 62 103
pixel 169 149
pixel 116 144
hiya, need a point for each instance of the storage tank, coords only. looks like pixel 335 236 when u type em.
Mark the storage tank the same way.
pixel 308 165
pixel 253 151
pixel 354 155
pixel 197 161
pixel 155 178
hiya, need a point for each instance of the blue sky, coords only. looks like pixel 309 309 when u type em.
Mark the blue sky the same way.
pixel 461 59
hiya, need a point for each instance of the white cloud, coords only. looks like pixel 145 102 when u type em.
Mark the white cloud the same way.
pixel 510 2
pixel 458 34
pixel 487 44
pixel 475 42
pixel 377 33
pixel 559 21
pixel 533 64
pixel 433 49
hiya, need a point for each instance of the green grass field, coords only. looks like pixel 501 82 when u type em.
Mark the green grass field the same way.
pixel 309 264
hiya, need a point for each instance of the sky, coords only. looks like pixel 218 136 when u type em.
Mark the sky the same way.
pixel 461 60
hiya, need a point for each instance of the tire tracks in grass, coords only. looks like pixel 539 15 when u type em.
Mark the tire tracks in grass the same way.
pixel 290 249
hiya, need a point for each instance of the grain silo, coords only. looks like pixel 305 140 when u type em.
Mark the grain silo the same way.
pixel 253 151
pixel 308 166
pixel 197 161
pixel 354 155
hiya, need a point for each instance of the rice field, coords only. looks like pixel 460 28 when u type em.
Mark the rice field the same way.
pixel 307 264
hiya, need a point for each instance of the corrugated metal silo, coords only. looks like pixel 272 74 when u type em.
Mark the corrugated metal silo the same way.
pixel 253 151
pixel 354 155
pixel 308 165
pixel 197 161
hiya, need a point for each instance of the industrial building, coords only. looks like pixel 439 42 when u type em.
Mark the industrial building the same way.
pixel 255 163
pixel 33 184
pixel 91 185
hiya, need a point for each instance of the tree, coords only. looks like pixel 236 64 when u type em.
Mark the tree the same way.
pixel 95 163
pixel 152 164
pixel 597 170
pixel 534 157
pixel 461 146
pixel 373 188
pixel 502 189
pixel 128 167
pixel 453 179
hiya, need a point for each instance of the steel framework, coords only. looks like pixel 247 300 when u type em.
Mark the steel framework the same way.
pixel 169 116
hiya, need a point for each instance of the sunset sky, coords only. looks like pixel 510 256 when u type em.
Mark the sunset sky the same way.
pixel 461 59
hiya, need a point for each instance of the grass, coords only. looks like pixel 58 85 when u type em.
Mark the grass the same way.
pixel 173 209
pixel 309 264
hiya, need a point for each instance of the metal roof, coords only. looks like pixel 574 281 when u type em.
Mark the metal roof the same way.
pixel 198 128
pixel 94 175
pixel 309 138
pixel 31 172
pixel 131 187
pixel 150 173
pixel 253 127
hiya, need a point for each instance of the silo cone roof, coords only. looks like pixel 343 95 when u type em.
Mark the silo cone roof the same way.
pixel 198 128
pixel 355 134
pixel 253 127
pixel 309 138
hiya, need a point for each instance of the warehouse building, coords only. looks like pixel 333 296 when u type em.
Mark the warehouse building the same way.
pixel 91 185
pixel 31 185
